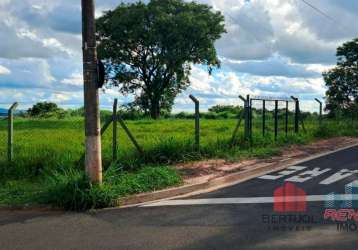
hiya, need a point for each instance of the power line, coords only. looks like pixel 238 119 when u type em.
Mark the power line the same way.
pixel 343 27
pixel 252 34
pixel 319 11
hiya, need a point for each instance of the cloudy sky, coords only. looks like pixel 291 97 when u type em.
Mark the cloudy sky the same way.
pixel 272 48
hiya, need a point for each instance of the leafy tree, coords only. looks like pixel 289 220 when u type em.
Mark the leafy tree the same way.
pixel 43 109
pixel 148 49
pixel 342 81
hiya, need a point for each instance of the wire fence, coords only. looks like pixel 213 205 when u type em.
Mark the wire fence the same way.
pixel 58 143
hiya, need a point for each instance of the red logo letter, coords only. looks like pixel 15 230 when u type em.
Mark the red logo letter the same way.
pixel 289 198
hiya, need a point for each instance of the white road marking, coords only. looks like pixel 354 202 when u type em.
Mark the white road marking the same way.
pixel 252 200
pixel 310 174
pixel 307 175
pixel 288 171
pixel 342 174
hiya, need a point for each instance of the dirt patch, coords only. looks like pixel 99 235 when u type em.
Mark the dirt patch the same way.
pixel 206 170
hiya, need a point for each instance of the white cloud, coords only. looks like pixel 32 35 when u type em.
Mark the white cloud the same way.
pixel 276 47
pixel 75 79
pixel 201 80
pixel 54 43
pixel 319 68
pixel 4 70
pixel 59 98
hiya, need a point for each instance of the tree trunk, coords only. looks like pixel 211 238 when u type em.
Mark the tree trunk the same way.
pixel 155 109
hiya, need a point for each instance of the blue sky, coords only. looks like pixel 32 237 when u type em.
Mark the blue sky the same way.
pixel 272 48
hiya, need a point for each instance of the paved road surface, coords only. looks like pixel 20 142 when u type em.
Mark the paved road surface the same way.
pixel 236 217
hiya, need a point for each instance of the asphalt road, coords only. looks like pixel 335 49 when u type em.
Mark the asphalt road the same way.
pixel 208 221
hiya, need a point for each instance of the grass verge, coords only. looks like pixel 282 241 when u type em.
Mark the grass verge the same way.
pixel 71 189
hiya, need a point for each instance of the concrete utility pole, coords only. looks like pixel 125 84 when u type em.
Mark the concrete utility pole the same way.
pixel 93 159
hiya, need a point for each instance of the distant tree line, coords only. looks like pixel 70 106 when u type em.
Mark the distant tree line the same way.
pixel 51 110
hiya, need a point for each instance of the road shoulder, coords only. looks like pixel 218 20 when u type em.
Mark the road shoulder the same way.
pixel 206 176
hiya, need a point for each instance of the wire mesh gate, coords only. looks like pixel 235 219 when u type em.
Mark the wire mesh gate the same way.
pixel 279 108
pixel 269 105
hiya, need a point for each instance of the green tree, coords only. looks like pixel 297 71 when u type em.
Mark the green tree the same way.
pixel 43 109
pixel 148 49
pixel 342 81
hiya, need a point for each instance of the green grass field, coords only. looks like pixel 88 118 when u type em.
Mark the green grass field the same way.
pixel 49 153
pixel 56 144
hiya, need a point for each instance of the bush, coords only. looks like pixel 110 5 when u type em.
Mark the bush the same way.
pixel 184 115
pixel 132 115
pixel 226 108
pixel 210 115
pixel 324 131
pixel 105 114
pixel 71 190
pixel 78 112
pixel 144 180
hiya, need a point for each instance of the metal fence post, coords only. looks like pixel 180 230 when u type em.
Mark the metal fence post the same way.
pixel 250 108
pixel 197 122
pixel 297 108
pixel 242 115
pixel 320 111
pixel 10 144
pixel 276 118
pixel 263 117
pixel 247 118
pixel 286 119
pixel 114 136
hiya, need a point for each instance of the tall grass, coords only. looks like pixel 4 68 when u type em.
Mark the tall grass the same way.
pixel 72 190
pixel 58 144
